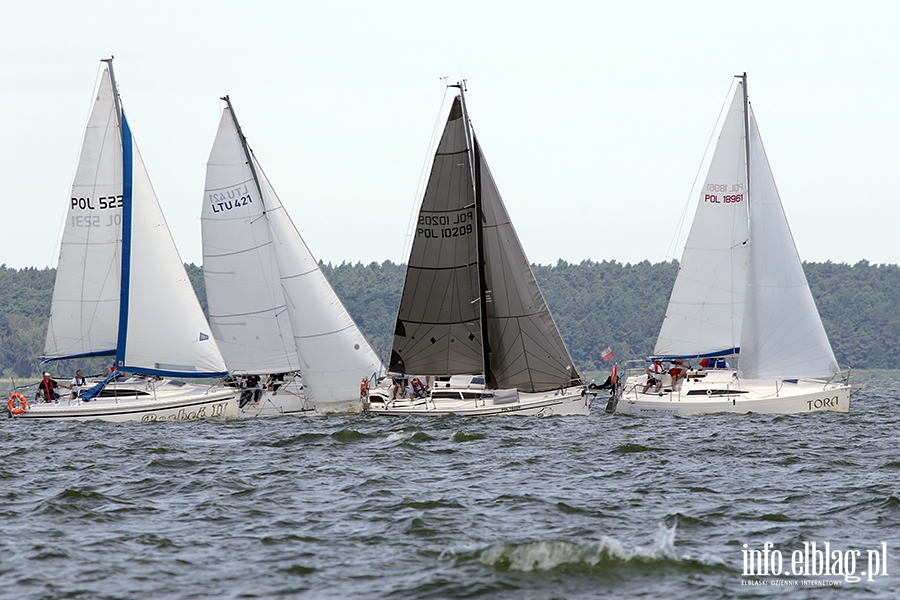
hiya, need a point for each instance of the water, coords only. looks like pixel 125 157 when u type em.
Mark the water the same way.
pixel 362 507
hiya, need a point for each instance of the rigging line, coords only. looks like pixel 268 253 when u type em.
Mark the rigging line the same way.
pixel 423 178
pixel 673 243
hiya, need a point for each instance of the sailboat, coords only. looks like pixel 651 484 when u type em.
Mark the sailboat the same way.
pixel 271 308
pixel 740 293
pixel 472 324
pixel 122 291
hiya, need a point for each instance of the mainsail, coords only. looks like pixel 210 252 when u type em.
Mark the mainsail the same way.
pixel 84 315
pixel 706 307
pixel 247 310
pixel 270 304
pixel 452 280
pixel 127 267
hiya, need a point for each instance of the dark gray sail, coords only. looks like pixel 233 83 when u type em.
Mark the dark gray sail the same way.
pixel 438 329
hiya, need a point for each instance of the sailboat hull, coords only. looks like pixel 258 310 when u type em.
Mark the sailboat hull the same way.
pixel 572 401
pixel 725 391
pixel 139 399
pixel 287 400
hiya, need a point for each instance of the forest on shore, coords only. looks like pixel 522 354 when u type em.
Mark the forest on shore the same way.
pixel 595 304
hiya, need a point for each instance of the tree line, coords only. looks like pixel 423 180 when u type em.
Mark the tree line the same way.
pixel 595 304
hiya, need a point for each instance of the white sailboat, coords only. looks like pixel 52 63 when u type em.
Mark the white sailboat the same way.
pixel 270 307
pixel 741 291
pixel 472 319
pixel 122 291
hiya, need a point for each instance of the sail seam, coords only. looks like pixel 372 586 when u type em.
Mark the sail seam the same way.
pixel 251 249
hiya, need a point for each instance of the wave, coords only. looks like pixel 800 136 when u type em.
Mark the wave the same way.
pixel 629 448
pixel 552 556
pixel 464 436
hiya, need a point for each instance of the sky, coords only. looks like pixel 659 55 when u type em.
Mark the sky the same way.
pixel 594 116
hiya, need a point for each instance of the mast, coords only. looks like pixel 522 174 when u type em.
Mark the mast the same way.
pixel 115 89
pixel 127 198
pixel 746 133
pixel 483 292
pixel 246 148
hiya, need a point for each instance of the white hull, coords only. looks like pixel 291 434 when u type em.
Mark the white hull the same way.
pixel 572 401
pixel 723 391
pixel 291 400
pixel 287 400
pixel 140 399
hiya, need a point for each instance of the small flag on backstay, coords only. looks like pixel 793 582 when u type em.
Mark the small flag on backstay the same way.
pixel 607 354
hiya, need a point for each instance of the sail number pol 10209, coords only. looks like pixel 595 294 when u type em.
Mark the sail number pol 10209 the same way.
pixel 445 226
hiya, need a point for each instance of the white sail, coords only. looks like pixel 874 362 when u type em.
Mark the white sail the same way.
pixel 84 316
pixel 273 307
pixel 334 354
pixel 162 327
pixel 706 307
pixel 741 284
pixel 121 287
pixel 783 336
pixel 247 310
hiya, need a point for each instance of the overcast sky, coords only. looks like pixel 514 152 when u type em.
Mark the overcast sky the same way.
pixel 594 116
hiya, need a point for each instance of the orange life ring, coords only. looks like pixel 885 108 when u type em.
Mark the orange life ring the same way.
pixel 364 388
pixel 17 403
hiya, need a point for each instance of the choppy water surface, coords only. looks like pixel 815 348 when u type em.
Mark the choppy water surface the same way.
pixel 506 507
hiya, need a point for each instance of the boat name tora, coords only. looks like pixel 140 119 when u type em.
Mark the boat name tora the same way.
pixel 822 402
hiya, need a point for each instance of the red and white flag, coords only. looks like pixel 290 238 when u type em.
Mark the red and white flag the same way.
pixel 607 354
